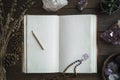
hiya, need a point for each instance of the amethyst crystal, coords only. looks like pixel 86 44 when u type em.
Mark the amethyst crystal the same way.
pixel 112 35
pixel 82 4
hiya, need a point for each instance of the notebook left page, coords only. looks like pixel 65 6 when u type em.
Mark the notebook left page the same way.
pixel 46 30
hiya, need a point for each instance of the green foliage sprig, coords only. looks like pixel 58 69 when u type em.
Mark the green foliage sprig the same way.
pixel 110 6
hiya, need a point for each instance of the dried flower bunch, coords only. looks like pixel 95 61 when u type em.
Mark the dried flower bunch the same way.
pixel 10 22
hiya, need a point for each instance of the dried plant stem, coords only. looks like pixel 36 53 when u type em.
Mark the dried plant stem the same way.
pixel 13 21
pixel 16 22
pixel 1 23
pixel 2 71
pixel 5 42
pixel 10 17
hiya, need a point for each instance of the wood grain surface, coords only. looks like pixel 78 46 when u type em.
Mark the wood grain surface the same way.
pixel 104 49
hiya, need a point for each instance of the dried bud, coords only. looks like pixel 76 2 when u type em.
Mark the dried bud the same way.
pixel 12 19
pixel 10 59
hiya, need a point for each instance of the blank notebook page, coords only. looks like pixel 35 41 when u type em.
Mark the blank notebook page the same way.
pixel 46 28
pixel 77 38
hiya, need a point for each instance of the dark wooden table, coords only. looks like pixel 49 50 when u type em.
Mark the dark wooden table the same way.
pixel 104 49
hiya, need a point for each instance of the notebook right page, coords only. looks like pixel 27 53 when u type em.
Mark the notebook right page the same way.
pixel 77 37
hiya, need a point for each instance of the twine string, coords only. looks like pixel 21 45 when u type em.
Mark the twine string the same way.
pixel 77 62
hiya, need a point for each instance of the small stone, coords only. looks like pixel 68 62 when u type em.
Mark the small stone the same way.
pixel 82 4
pixel 113 77
pixel 113 66
pixel 108 71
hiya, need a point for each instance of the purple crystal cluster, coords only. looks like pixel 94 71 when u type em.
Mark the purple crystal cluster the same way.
pixel 112 71
pixel 112 35
pixel 82 4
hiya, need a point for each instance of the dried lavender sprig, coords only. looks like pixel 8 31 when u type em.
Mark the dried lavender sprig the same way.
pixel 5 30
pixel 10 16
pixel 7 38
pixel 1 26
pixel 3 49
pixel 25 6
pixel 21 13
pixel 17 22
pixel 10 59
pixel 1 19
pixel 12 27
pixel 1 13
pixel 12 10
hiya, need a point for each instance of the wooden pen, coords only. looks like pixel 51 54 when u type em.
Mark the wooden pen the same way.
pixel 37 40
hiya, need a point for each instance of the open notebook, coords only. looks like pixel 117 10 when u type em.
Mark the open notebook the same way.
pixel 64 38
